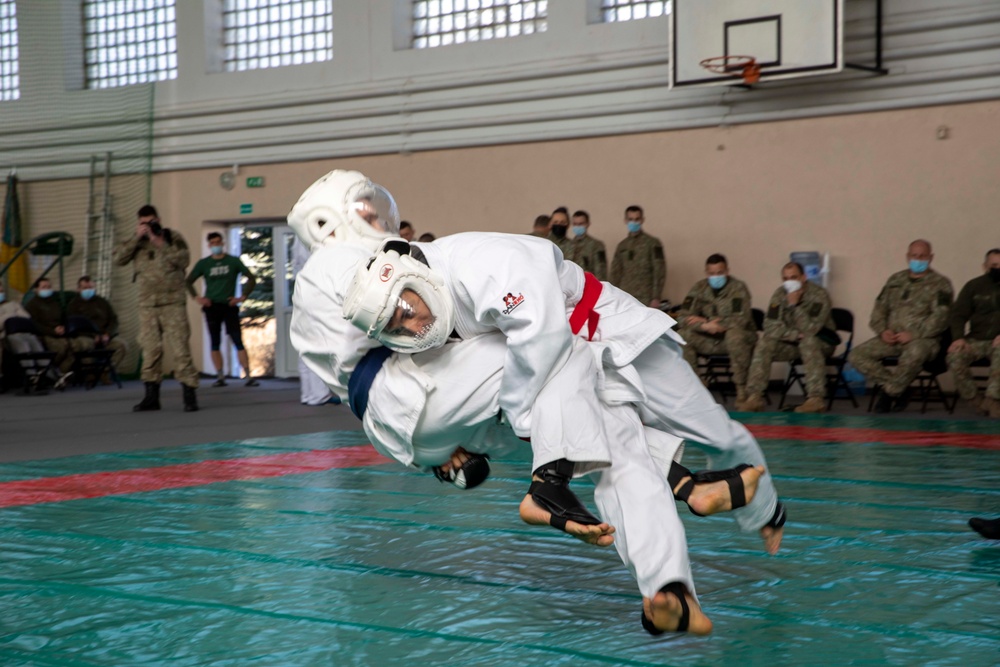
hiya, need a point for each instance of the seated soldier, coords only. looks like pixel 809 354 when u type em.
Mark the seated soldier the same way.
pixel 978 304
pixel 716 319
pixel 46 312
pixel 19 343
pixel 798 326
pixel 910 314
pixel 87 304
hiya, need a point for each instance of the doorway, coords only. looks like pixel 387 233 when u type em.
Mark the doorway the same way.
pixel 264 246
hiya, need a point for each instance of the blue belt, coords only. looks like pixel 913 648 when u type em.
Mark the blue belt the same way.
pixel 361 379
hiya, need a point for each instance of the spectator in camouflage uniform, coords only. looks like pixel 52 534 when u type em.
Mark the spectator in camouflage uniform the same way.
pixel 541 227
pixel 798 325
pixel 585 250
pixel 160 257
pixel 639 266
pixel 96 309
pixel 910 314
pixel 48 314
pixel 716 318
pixel 558 225
pixel 978 304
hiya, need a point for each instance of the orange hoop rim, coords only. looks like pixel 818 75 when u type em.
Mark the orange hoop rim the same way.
pixel 745 66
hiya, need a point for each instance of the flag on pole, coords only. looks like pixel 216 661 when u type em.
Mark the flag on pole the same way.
pixel 17 274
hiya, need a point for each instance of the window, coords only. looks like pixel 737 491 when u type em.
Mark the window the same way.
pixel 275 33
pixel 131 42
pixel 9 79
pixel 444 22
pixel 626 10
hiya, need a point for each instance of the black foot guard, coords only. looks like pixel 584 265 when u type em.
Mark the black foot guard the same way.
pixel 731 476
pixel 779 518
pixel 679 590
pixel 553 494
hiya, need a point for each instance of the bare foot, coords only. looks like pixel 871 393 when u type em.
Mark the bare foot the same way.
pixel 772 538
pixel 712 498
pixel 664 610
pixel 601 535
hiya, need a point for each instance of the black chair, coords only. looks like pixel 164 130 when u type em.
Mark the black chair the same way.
pixel 843 320
pixel 716 370
pixel 925 388
pixel 33 366
pixel 90 365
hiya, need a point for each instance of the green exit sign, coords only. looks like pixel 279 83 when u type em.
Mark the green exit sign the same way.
pixel 255 182
pixel 246 209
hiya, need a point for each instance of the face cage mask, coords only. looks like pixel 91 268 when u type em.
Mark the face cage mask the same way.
pixel 431 335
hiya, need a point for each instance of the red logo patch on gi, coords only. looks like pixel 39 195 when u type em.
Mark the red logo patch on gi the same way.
pixel 385 273
pixel 512 302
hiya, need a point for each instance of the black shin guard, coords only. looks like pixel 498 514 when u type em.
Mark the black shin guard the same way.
pixel 552 493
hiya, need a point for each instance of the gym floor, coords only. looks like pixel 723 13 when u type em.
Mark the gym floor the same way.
pixel 261 531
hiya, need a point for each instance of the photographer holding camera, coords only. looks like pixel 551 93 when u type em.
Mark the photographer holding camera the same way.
pixel 160 257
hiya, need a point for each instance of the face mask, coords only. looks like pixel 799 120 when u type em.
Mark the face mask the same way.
pixel 215 249
pixel 994 276
pixel 45 293
pixel 717 282
pixel 88 293
pixel 791 286
pixel 919 265
pixel 633 227
pixel 579 230
pixel 3 297
pixel 559 231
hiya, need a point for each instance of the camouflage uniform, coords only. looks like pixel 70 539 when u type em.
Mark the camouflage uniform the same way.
pixel 918 306
pixel 103 317
pixel 978 304
pixel 731 306
pixel 162 313
pixel 47 314
pixel 561 243
pixel 589 254
pixel 639 267
pixel 782 327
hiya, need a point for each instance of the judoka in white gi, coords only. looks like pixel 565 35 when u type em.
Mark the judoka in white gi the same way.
pixel 527 292
pixel 411 399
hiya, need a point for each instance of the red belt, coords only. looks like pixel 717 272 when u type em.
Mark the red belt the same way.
pixel 584 311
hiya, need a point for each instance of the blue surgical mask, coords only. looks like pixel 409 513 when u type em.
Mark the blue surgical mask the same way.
pixel 3 297
pixel 88 293
pixel 215 249
pixel 579 230
pixel 919 265
pixel 717 282
pixel 45 293
pixel 633 227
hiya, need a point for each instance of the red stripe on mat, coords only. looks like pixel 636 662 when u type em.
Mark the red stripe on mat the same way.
pixel 843 434
pixel 97 485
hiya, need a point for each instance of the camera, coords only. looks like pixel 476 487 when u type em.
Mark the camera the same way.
pixel 155 228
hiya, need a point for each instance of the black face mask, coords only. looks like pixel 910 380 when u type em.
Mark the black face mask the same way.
pixel 559 231
pixel 995 275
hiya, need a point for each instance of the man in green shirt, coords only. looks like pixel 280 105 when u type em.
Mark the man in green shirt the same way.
pixel 98 312
pixel 978 304
pixel 558 225
pixel 584 250
pixel 220 303
pixel 638 266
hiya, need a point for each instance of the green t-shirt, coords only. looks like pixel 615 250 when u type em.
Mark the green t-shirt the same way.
pixel 220 277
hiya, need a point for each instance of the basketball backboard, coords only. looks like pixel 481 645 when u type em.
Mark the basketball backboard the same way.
pixel 787 38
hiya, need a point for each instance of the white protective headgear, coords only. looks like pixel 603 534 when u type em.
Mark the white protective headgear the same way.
pixel 344 206
pixel 374 296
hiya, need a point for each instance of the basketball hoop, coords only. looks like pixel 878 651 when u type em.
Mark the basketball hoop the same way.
pixel 745 66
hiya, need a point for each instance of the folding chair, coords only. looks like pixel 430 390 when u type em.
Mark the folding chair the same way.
pixel 843 320
pixel 716 369
pixel 90 365
pixel 34 366
pixel 925 388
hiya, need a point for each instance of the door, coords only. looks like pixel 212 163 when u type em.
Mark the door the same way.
pixel 285 357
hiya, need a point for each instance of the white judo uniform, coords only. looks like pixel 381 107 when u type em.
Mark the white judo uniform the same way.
pixel 528 293
pixel 422 407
